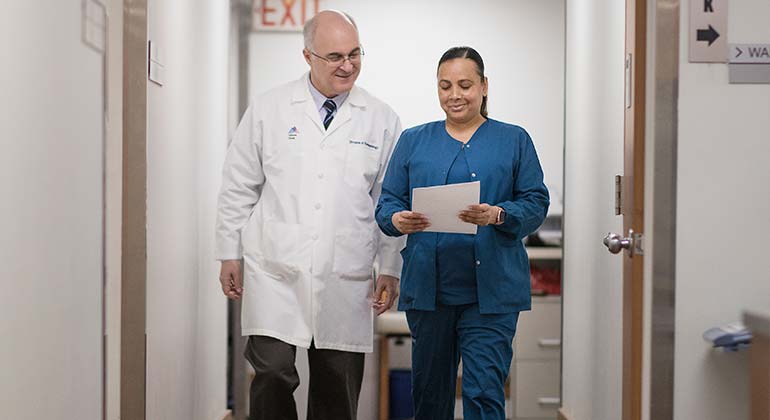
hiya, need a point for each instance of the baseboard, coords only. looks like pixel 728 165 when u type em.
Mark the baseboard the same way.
pixel 228 415
pixel 562 415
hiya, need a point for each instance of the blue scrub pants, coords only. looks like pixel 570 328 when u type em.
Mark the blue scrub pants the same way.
pixel 440 339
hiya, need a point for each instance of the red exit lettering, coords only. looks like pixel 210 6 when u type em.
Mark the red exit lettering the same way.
pixel 283 15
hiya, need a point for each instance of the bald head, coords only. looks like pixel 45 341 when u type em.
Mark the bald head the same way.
pixel 333 52
pixel 327 20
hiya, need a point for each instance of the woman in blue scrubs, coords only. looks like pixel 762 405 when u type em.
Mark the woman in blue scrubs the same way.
pixel 463 293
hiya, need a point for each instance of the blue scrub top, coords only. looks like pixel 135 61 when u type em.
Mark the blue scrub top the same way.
pixel 455 254
pixel 503 158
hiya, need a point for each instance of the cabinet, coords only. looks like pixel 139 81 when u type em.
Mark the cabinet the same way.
pixel 535 368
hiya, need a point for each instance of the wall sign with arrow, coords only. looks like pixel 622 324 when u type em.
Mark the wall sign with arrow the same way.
pixel 709 35
pixel 708 31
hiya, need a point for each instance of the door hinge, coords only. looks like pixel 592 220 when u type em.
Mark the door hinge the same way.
pixel 618 195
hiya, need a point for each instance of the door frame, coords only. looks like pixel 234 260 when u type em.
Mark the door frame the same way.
pixel 133 314
pixel 649 207
pixel 238 381
pixel 660 215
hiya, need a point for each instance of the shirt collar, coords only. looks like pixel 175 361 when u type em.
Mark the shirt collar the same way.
pixel 319 97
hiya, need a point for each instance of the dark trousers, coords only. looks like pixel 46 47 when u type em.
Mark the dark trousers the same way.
pixel 335 381
pixel 440 339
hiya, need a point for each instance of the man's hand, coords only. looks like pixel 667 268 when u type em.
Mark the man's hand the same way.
pixel 385 293
pixel 480 214
pixel 230 277
pixel 409 221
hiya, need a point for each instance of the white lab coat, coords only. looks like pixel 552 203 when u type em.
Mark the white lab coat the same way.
pixel 297 203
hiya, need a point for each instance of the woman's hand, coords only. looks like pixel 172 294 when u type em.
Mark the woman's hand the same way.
pixel 480 214
pixel 410 222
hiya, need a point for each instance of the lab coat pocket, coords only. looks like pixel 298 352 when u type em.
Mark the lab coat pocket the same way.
pixel 281 249
pixel 361 165
pixel 354 253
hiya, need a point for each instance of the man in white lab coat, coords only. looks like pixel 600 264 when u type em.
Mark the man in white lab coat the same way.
pixel 300 182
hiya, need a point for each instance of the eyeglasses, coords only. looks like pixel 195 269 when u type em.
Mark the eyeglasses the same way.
pixel 337 59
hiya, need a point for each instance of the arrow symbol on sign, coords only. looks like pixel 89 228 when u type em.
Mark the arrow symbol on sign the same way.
pixel 740 51
pixel 709 35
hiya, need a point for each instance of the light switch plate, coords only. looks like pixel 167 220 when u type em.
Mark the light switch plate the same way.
pixel 156 53
pixel 94 25
pixel 157 73
pixel 95 12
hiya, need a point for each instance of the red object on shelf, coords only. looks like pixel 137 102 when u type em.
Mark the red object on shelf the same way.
pixel 545 281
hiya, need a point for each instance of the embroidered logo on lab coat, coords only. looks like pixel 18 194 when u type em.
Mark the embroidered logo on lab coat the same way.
pixel 293 132
pixel 363 143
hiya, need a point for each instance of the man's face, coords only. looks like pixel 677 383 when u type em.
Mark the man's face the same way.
pixel 332 41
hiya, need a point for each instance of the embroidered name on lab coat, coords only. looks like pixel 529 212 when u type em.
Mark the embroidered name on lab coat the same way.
pixel 363 143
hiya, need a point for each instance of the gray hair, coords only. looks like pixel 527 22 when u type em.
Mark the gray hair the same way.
pixel 308 32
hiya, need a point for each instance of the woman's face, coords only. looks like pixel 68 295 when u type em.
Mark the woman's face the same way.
pixel 460 89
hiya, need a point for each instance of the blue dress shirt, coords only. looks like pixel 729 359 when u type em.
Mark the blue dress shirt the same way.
pixel 319 100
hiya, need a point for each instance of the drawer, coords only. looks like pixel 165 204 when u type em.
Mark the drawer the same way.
pixel 538 333
pixel 537 389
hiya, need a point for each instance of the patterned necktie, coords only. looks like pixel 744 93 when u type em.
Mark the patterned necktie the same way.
pixel 330 107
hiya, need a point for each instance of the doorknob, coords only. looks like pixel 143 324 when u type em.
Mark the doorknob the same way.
pixel 615 243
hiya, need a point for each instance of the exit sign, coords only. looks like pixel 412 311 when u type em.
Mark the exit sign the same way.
pixel 282 15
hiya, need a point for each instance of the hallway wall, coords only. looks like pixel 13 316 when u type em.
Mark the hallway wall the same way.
pixel 114 208
pixel 187 136
pixel 722 207
pixel 592 277
pixel 51 179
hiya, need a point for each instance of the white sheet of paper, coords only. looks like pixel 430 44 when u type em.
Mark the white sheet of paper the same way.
pixel 442 203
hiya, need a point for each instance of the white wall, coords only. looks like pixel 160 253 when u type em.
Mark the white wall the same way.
pixel 114 206
pixel 592 277
pixel 521 42
pixel 211 44
pixel 187 131
pixel 51 176
pixel 722 207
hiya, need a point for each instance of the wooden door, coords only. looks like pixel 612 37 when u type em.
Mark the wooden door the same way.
pixel 632 206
